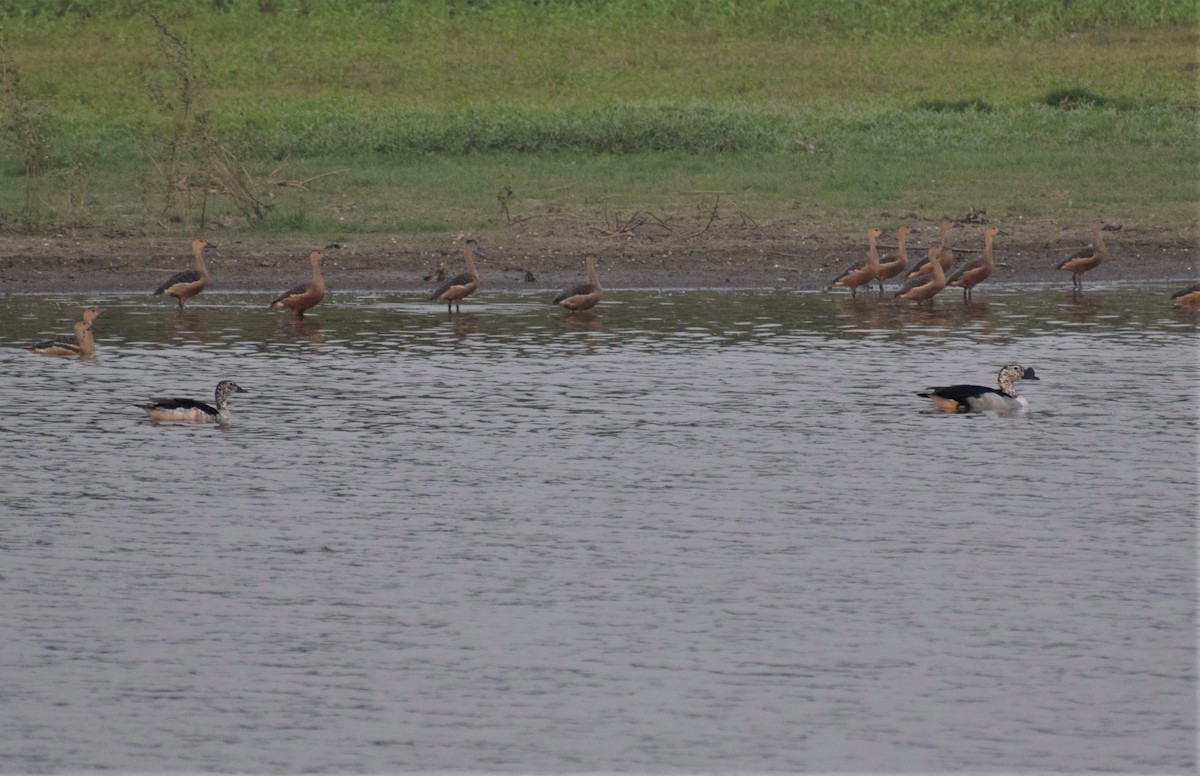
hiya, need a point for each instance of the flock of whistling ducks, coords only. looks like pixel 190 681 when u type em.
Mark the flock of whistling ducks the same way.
pixel 922 283
pixel 938 269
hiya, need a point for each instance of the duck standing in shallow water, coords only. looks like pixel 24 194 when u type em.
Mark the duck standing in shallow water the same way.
pixel 459 287
pixel 1090 257
pixel 861 274
pixel 894 266
pixel 584 296
pixel 972 274
pixel 192 411
pixel 924 287
pixel 977 398
pixel 305 295
pixel 941 251
pixel 184 285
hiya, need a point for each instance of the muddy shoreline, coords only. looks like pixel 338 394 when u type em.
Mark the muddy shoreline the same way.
pixel 548 262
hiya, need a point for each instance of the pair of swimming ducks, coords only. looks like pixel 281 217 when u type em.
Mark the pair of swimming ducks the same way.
pixel 949 398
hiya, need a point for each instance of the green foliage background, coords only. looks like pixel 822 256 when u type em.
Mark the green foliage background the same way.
pixel 116 112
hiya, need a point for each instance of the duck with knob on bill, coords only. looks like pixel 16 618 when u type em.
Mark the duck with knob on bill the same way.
pixel 459 287
pixel 860 274
pixel 192 411
pixel 978 398
pixel 304 296
pixel 1087 259
pixel 971 274
pixel 584 296
pixel 184 285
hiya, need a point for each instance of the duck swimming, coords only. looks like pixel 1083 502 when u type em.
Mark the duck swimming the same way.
pixel 192 411
pixel 977 398
pixel 78 344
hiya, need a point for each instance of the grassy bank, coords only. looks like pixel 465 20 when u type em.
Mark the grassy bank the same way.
pixel 342 117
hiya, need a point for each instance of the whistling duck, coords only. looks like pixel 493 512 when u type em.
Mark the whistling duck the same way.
pixel 454 290
pixel 585 295
pixel 192 411
pixel 922 288
pixel 1188 297
pixel 892 268
pixel 860 274
pixel 305 295
pixel 80 343
pixel 1090 257
pixel 977 398
pixel 940 249
pixel 970 275
pixel 184 285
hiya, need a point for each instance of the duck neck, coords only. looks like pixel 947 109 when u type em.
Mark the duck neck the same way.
pixel 1098 239
pixel 198 252
pixel 469 255
pixel 318 281
pixel 872 251
pixel 590 263
pixel 987 249
pixel 939 276
pixel 902 245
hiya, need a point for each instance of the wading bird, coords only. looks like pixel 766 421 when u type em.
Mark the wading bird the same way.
pixel 457 288
pixel 893 267
pixel 1090 257
pixel 861 274
pixel 923 288
pixel 941 250
pixel 184 285
pixel 970 275
pixel 304 296
pixel 585 295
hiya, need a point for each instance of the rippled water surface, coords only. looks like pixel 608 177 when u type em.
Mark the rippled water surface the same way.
pixel 696 531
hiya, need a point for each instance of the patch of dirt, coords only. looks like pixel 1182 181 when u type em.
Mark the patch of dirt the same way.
pixel 548 258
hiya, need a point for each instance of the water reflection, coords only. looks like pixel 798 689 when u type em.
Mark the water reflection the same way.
pixel 690 528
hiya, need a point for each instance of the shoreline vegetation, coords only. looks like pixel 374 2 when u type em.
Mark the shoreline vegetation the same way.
pixel 733 140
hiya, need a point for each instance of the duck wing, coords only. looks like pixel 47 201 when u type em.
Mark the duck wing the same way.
pixel 296 290
pixel 187 276
pixel 180 404
pixel 579 290
pixel 457 280
pixel 963 269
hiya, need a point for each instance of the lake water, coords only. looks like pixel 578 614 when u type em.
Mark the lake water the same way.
pixel 697 531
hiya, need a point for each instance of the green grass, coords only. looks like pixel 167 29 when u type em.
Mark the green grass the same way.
pixel 427 110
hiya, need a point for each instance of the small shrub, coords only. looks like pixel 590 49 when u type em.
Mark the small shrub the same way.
pixel 1070 98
